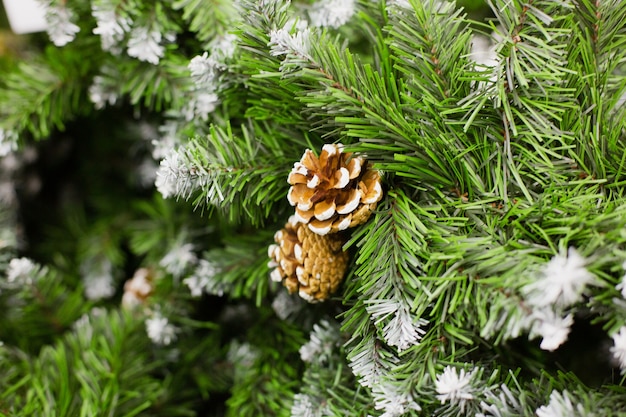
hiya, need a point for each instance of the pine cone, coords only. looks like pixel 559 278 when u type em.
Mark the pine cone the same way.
pixel 138 289
pixel 333 192
pixel 311 264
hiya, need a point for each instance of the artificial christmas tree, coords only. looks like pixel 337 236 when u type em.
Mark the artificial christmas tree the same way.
pixel 485 250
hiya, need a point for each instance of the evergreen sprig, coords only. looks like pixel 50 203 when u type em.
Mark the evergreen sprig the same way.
pixel 44 93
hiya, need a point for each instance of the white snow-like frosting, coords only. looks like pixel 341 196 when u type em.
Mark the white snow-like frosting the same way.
pixel 350 205
pixel 378 192
pixel 290 197
pixel 357 166
pixel 305 206
pixel 300 275
pixel 345 223
pixel 330 149
pixel 298 218
pixel 297 251
pixel 299 168
pixel 344 179
pixel 276 276
pixel 326 214
pixel 313 182
pixel 320 230
pixel 271 249
pixel 306 296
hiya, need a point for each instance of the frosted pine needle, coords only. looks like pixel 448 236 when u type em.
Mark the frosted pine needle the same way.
pixel 393 400
pixel 403 330
pixel 223 47
pixel 178 259
pixel 98 278
pixel 200 105
pixel 562 281
pixel 173 177
pixel 21 271
pixel 455 387
pixel 367 365
pixel 619 348
pixel 284 305
pixel 560 405
pixel 332 13
pixel 324 338
pixel 145 45
pixel 553 328
pixel 8 142
pixel 284 43
pixel 159 330
pixel 167 141
pixel 204 70
pixel 307 406
pixel 102 92
pixel 61 29
pixel 203 280
pixel 111 26
pixel 500 403
pixel 196 285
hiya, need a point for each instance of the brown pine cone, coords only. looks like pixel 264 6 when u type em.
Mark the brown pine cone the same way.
pixel 138 289
pixel 333 192
pixel 310 264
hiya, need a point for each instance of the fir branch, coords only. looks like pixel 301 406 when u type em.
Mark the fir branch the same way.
pixel 266 386
pixel 41 302
pixel 88 374
pixel 44 93
pixel 327 380
pixel 502 219
pixel 596 51
pixel 391 282
pixel 235 173
pixel 155 87
pixel 240 267
pixel 270 97
pixel 354 100
pixel 530 42
pixel 426 54
pixel 207 18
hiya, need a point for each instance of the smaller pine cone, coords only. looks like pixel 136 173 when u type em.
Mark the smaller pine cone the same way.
pixel 138 289
pixel 311 264
pixel 333 192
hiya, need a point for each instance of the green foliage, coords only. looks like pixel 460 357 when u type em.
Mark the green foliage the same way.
pixel 98 365
pixel 45 92
pixel 493 173
pixel 45 306
pixel 236 173
pixel 261 384
pixel 208 18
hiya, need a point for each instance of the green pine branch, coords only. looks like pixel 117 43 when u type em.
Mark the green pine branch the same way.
pixel 207 18
pixel 239 173
pixel 44 93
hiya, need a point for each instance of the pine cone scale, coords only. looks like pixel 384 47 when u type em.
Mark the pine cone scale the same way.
pixel 325 210
pixel 353 200
pixel 333 192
